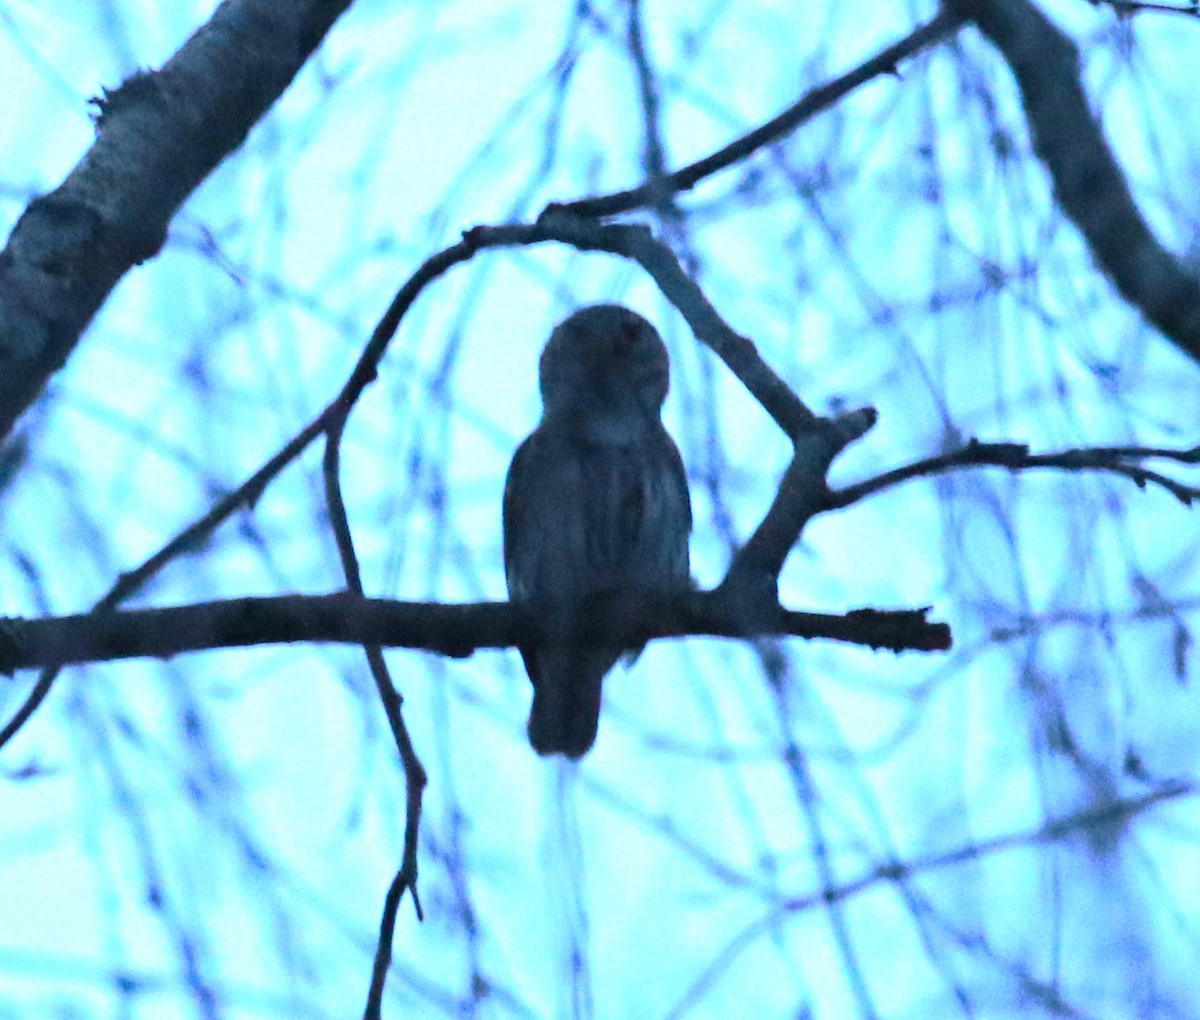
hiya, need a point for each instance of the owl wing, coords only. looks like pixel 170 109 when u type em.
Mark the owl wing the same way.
pixel 544 522
pixel 668 517
pixel 580 518
pixel 546 559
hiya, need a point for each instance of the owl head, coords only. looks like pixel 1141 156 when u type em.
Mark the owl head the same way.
pixel 607 362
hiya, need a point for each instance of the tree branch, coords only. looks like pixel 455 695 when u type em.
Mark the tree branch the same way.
pixel 1088 184
pixel 802 494
pixel 1125 461
pixel 451 630
pixel 636 242
pixel 392 700
pixel 654 192
pixel 158 136
pixel 1128 8
pixel 1110 815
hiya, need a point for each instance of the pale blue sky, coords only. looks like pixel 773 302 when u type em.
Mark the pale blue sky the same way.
pixel 257 792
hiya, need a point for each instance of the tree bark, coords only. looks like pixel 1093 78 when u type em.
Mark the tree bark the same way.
pixel 158 136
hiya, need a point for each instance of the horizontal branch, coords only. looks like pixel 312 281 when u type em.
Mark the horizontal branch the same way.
pixel 630 241
pixel 1126 461
pixel 1109 816
pixel 453 630
pixel 1127 8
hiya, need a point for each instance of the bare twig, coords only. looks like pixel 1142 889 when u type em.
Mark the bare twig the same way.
pixel 1125 461
pixel 1127 8
pixel 392 701
pixel 653 192
pixel 1114 813
pixel 29 705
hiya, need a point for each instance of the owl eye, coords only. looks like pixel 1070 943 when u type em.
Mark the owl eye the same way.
pixel 628 336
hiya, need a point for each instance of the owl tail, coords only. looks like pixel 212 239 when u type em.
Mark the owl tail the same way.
pixel 566 698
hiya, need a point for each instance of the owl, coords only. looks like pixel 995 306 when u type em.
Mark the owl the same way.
pixel 596 501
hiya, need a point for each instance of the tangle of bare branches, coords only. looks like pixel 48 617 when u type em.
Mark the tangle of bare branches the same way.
pixel 746 602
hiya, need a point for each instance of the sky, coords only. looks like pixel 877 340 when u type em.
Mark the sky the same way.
pixel 212 836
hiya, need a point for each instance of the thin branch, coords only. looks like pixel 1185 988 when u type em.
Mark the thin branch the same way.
pixel 414 772
pixel 32 702
pixel 654 192
pixel 654 159
pixel 1125 461
pixel 1115 814
pixel 636 242
pixel 383 952
pixel 1127 8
